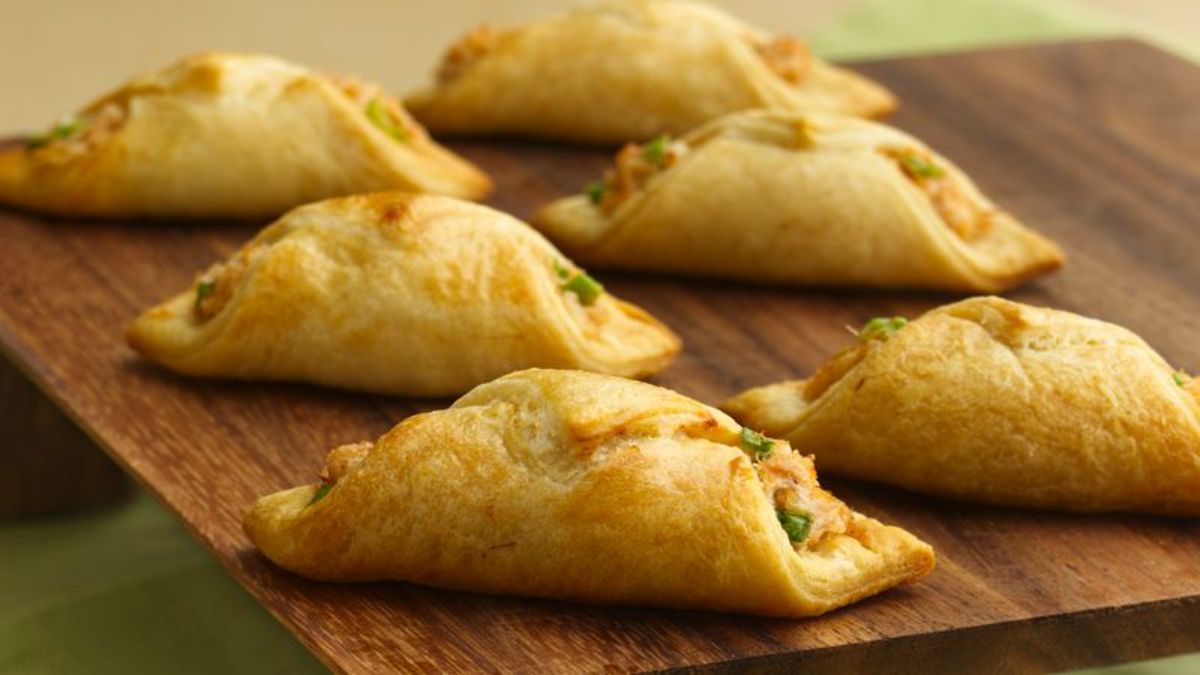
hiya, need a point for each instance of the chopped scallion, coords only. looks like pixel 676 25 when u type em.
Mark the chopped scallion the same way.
pixel 755 442
pixel 797 524
pixel 381 117
pixel 881 328
pixel 918 166
pixel 64 129
pixel 203 290
pixel 584 287
pixel 320 493
pixel 595 191
pixel 655 151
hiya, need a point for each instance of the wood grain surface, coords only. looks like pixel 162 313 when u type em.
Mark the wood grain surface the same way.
pixel 1093 144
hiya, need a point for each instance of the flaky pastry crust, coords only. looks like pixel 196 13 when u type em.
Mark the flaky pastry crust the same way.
pixel 396 293
pixel 585 487
pixel 802 199
pixel 230 135
pixel 993 401
pixel 628 69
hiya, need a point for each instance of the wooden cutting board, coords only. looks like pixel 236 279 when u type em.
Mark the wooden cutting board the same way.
pixel 1094 144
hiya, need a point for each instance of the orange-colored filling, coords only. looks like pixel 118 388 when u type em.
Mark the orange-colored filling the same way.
pixel 222 281
pixel 632 170
pixel 788 57
pixel 790 481
pixel 962 214
pixel 363 93
pixel 94 129
pixel 342 461
pixel 466 52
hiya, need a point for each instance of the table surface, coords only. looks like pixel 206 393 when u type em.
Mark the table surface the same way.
pixel 1091 143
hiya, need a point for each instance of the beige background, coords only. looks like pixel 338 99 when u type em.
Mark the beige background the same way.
pixel 58 54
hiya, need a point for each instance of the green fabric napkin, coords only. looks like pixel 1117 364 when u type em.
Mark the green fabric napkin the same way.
pixel 126 590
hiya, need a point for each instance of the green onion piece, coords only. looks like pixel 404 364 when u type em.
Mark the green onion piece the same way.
pixel 595 191
pixel 561 271
pixel 655 151
pixel 1178 377
pixel 881 328
pixel 64 129
pixel 320 494
pixel 919 166
pixel 755 442
pixel 584 287
pixel 796 523
pixel 203 290
pixel 379 115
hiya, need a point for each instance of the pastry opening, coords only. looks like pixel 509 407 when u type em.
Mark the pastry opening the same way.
pixel 341 462
pixel 873 334
pixel 216 286
pixel 963 214
pixel 577 285
pixel 78 135
pixel 383 111
pixel 808 513
pixel 464 54
pixel 787 57
pixel 633 168
pixel 605 321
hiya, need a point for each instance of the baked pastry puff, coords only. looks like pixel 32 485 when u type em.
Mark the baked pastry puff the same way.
pixel 577 486
pixel 793 198
pixel 229 135
pixel 993 401
pixel 417 295
pixel 623 70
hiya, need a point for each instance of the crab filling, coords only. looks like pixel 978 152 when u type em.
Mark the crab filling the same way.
pixel 215 288
pixel 634 167
pixel 382 110
pixel 74 136
pixel 788 57
pixel 946 192
pixel 870 336
pixel 465 53
pixel 806 512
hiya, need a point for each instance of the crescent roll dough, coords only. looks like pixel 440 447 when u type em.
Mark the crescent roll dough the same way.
pixel 629 69
pixel 993 401
pixel 571 485
pixel 229 135
pixel 790 198
pixel 399 294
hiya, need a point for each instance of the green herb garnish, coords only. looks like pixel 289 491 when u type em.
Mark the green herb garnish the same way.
pixel 655 151
pixel 584 287
pixel 595 191
pixel 561 271
pixel 320 494
pixel 580 283
pixel 796 523
pixel 64 129
pixel 919 166
pixel 881 328
pixel 379 115
pixel 203 290
pixel 1178 377
pixel 755 442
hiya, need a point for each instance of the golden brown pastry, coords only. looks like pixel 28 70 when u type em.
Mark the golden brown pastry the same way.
pixel 994 401
pixel 577 486
pixel 628 69
pixel 399 294
pixel 793 198
pixel 229 135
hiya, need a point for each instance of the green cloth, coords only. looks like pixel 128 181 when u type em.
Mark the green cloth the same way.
pixel 126 590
